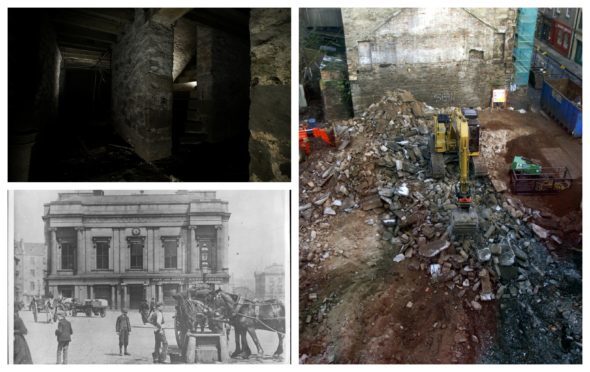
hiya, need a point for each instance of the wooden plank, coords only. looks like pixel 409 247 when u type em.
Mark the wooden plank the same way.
pixel 72 17
pixel 120 15
pixel 78 33
pixel 84 46
pixel 168 16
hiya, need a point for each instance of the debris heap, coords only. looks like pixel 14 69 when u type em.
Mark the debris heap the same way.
pixel 382 166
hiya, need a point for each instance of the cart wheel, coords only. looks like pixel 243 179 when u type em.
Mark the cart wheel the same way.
pixel 103 313
pixel 74 313
pixel 88 312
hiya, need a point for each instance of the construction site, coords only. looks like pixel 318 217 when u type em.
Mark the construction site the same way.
pixel 440 213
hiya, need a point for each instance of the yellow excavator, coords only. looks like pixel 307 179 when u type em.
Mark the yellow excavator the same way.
pixel 455 137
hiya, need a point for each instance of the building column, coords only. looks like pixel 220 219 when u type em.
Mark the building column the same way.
pixel 77 291
pixel 79 250
pixel 116 250
pixel 225 246
pixel 53 250
pixel 117 298
pixel 152 291
pixel 160 294
pixel 219 254
pixel 125 300
pixel 91 291
pixel 194 250
pixel 158 251
pixel 113 297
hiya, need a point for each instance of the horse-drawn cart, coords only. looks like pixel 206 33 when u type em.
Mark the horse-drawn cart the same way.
pixel 199 332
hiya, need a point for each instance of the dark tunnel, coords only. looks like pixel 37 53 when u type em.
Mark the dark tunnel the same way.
pixel 135 95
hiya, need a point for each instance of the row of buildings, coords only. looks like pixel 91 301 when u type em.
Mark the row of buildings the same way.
pixel 129 248
pixel 559 42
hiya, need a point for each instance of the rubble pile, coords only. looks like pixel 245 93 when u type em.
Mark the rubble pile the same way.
pixel 382 167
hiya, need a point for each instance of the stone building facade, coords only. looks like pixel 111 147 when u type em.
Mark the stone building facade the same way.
pixel 444 56
pixel 30 272
pixel 270 283
pixel 127 248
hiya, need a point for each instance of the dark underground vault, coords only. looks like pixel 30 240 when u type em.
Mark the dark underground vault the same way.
pixel 149 94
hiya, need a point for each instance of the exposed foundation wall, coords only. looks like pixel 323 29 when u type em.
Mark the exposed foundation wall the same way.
pixel 185 43
pixel 142 62
pixel 270 95
pixel 222 82
pixel 34 68
pixel 445 56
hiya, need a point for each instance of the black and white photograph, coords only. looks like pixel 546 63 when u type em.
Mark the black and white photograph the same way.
pixel 138 277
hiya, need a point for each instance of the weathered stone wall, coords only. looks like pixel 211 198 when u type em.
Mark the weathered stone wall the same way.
pixel 185 43
pixel 142 86
pixel 222 81
pixel 444 56
pixel 270 95
pixel 34 68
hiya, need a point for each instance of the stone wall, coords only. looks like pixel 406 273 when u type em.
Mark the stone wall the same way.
pixel 185 43
pixel 270 95
pixel 34 68
pixel 142 86
pixel 222 81
pixel 443 56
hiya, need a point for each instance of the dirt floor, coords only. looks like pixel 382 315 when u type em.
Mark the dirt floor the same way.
pixel 359 306
pixel 508 133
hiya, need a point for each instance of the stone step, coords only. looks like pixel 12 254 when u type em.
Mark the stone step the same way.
pixel 193 138
pixel 193 103
pixel 194 125
pixel 192 115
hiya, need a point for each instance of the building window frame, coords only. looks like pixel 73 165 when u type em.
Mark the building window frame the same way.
pixel 68 255
pixel 578 53
pixel 136 244
pixel 170 246
pixel 102 244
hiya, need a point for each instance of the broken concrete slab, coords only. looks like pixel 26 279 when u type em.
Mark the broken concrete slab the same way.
pixel 371 202
pixel 433 248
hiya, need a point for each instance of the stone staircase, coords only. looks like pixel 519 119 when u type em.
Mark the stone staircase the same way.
pixel 192 131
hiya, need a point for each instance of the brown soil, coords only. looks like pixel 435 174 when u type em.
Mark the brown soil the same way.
pixel 533 136
pixel 369 321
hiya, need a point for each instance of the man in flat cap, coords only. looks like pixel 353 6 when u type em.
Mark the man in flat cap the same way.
pixel 123 328
pixel 157 320
pixel 64 336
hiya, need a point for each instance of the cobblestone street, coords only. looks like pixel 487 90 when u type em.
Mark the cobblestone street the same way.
pixel 94 341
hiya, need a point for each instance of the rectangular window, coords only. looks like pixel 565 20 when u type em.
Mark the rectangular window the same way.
pixel 204 254
pixel 67 256
pixel 578 56
pixel 559 37
pixel 170 256
pixel 102 255
pixel 136 255
pixel 364 48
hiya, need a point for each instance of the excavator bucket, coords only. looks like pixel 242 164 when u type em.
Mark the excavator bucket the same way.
pixel 480 167
pixel 464 222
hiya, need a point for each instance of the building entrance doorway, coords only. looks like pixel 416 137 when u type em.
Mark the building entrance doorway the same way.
pixel 136 295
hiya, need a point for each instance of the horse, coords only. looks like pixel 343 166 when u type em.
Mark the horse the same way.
pixel 247 316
